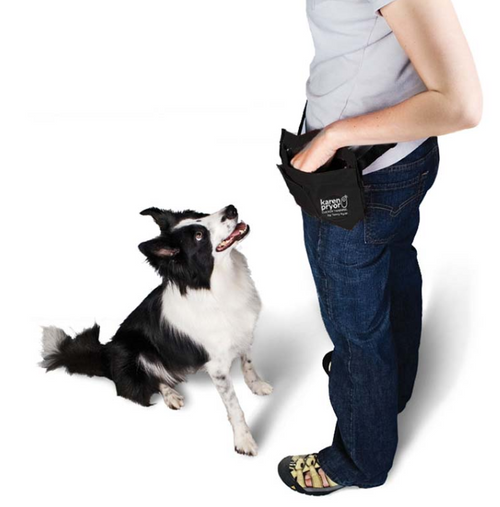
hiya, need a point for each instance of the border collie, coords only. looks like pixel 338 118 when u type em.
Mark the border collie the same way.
pixel 201 317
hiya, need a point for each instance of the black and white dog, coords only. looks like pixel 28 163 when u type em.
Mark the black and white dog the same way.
pixel 202 316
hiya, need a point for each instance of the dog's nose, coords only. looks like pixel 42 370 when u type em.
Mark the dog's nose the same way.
pixel 230 212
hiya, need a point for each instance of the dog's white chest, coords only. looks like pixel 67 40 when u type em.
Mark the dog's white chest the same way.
pixel 221 319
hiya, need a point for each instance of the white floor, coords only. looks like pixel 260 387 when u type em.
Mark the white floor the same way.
pixel 72 437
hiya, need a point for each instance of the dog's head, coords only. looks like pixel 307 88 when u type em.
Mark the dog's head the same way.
pixel 191 243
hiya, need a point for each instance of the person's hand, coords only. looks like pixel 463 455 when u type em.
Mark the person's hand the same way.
pixel 316 153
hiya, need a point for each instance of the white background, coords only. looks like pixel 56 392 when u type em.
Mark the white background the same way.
pixel 109 107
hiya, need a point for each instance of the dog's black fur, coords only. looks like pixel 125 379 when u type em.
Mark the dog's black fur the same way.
pixel 179 259
pixel 202 316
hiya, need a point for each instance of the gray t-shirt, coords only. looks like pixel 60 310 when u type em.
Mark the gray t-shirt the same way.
pixel 358 67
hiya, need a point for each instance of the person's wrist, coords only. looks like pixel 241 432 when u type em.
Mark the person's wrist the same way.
pixel 333 136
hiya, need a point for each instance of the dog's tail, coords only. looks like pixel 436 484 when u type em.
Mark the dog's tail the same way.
pixel 83 354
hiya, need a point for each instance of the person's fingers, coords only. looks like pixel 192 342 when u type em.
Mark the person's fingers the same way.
pixel 311 158
pixel 302 159
pixel 302 163
pixel 323 477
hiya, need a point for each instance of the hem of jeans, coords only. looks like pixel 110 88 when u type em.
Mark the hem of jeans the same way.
pixel 333 476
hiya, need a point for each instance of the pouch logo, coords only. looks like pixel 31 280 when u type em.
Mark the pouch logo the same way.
pixel 335 207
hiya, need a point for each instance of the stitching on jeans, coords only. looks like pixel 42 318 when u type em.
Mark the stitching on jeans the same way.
pixel 400 208
pixel 349 362
pixel 329 313
pixel 351 412
pixel 368 236
pixel 324 288
pixel 418 196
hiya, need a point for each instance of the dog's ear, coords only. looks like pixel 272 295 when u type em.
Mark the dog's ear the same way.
pixel 158 248
pixel 164 218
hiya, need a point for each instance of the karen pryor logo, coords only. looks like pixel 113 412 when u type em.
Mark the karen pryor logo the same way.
pixel 334 207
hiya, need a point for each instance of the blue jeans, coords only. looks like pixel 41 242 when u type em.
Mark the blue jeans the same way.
pixel 369 287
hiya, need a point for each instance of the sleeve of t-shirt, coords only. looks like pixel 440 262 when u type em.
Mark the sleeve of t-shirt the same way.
pixel 378 4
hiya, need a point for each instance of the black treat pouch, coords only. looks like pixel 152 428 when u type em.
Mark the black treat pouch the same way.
pixel 334 192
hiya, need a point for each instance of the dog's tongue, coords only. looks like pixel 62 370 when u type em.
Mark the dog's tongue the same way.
pixel 238 231
pixel 241 227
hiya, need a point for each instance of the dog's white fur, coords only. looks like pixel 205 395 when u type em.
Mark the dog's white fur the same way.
pixel 157 370
pixel 222 320
pixel 51 340
pixel 219 319
pixel 230 309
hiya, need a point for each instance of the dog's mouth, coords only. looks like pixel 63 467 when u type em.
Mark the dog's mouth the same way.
pixel 239 232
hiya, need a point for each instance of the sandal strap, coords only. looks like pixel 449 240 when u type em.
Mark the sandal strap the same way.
pixel 300 464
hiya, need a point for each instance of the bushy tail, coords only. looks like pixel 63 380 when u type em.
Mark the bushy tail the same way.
pixel 83 354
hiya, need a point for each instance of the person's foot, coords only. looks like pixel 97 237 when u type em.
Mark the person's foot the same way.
pixel 303 473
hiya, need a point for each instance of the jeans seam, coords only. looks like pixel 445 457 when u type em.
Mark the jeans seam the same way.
pixel 390 209
pixel 351 401
pixel 324 279
pixel 368 238
pixel 329 313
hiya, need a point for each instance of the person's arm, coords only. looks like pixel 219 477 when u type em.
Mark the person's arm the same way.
pixel 431 35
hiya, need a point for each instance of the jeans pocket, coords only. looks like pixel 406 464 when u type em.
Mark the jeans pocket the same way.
pixel 389 205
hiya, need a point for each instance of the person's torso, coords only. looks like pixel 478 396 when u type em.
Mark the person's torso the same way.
pixel 358 67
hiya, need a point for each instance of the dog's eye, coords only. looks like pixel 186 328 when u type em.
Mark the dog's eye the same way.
pixel 198 236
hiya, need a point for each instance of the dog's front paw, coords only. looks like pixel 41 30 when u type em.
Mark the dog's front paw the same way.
pixel 173 400
pixel 261 388
pixel 245 444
